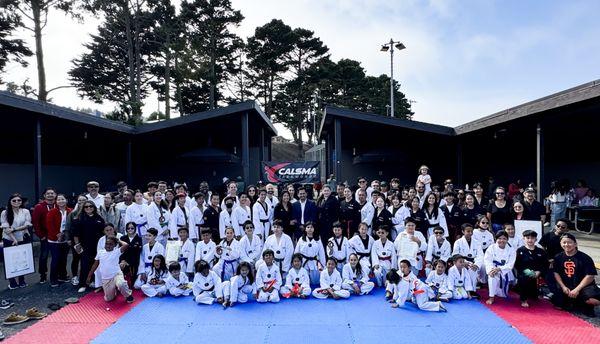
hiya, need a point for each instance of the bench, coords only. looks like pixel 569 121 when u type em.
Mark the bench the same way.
pixel 587 214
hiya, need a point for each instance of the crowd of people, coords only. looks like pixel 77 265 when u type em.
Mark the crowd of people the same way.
pixel 422 243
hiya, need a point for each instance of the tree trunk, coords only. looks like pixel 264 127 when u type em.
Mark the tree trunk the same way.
pixel 212 72
pixel 130 57
pixel 178 85
pixel 39 51
pixel 300 144
pixel 270 103
pixel 138 62
pixel 168 77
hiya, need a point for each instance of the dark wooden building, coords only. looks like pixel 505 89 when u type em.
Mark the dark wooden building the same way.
pixel 547 139
pixel 48 145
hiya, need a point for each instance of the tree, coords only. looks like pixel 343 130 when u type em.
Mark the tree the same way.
pixel 36 11
pixel 376 97
pixel 269 57
pixel 105 71
pixel 11 49
pixel 208 26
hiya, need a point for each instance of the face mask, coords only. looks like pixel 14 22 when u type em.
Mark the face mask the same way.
pixel 229 205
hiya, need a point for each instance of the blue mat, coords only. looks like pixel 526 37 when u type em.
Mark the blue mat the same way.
pixel 365 319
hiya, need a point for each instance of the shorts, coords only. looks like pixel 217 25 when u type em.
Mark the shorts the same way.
pixel 591 291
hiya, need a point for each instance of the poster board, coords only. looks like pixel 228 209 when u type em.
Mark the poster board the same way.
pixel 172 251
pixel 18 260
pixel 523 225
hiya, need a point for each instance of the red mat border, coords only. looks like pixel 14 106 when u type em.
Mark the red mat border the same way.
pixel 77 323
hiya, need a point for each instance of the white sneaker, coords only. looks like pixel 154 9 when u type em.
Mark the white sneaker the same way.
pixel 81 290
pixel 75 281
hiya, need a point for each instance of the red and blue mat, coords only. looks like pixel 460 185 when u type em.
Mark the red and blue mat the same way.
pixel 364 319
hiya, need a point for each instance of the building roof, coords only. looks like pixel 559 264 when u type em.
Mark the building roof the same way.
pixel 573 95
pixel 48 109
pixel 373 118
pixel 587 91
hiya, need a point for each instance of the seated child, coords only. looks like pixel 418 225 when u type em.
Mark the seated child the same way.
pixel 331 283
pixel 240 287
pixel 207 285
pixel 155 278
pixel 355 278
pixel 459 279
pixel 268 279
pixel 409 287
pixel 107 260
pixel 437 280
pixel 149 250
pixel 297 282
pixel 177 283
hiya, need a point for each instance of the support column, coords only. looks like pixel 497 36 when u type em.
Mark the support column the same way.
pixel 245 148
pixel 261 152
pixel 540 161
pixel 129 162
pixel 37 161
pixel 459 164
pixel 337 167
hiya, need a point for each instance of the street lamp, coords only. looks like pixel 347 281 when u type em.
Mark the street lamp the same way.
pixel 390 46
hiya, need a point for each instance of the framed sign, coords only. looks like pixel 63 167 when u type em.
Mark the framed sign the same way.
pixel 18 260
pixel 172 251
pixel 523 225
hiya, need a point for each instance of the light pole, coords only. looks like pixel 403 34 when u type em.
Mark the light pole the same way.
pixel 390 46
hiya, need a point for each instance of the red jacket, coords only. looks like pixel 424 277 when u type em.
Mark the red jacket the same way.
pixel 53 220
pixel 38 218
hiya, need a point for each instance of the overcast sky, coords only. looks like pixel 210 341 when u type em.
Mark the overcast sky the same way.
pixel 464 59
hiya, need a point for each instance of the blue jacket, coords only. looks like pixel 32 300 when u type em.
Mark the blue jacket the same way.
pixel 310 212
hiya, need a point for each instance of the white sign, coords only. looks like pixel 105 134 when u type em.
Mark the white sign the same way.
pixel 172 251
pixel 523 225
pixel 18 260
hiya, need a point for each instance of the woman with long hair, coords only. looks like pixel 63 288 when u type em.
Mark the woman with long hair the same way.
pixel 75 257
pixel 328 208
pixel 15 222
pixel 56 222
pixel 88 228
pixel 283 212
pixel 498 211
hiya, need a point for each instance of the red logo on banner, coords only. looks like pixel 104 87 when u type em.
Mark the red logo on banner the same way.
pixel 271 172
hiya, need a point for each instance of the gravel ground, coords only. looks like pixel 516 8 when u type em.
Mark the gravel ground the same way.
pixel 41 295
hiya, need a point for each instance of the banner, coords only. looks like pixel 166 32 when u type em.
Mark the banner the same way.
pixel 291 172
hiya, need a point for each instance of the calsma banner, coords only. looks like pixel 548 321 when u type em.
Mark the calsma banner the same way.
pixel 291 172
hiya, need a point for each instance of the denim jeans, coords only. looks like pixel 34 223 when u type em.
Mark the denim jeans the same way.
pixel 559 210
pixel 21 279
pixel 58 264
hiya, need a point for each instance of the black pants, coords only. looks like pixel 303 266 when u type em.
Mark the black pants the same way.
pixel 527 288
pixel 87 259
pixel 58 264
pixel 562 300
pixel 44 251
pixel 75 262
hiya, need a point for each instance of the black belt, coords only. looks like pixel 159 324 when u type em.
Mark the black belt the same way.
pixel 263 221
pixel 362 255
pixel 307 259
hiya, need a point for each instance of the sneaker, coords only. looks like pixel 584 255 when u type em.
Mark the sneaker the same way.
pixel 75 281
pixel 33 313
pixel 53 284
pixel 129 299
pixel 64 279
pixel 14 318
pixel 4 304
pixel 43 279
pixel 81 290
pixel 12 287
pixel 23 285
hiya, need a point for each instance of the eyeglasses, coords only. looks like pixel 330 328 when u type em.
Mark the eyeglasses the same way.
pixel 130 227
pixel 500 193
pixel 88 206
pixel 249 227
pixel 561 226
pixel 484 223
pixel 438 233
pixel 362 181
pixel 16 200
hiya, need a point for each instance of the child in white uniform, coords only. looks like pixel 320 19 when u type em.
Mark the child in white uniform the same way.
pixel 282 246
pixel 409 245
pixel 241 214
pixel 206 249
pixel 297 282
pixel 383 255
pixel 338 246
pixel 437 280
pixel 155 277
pixel 514 241
pixel 228 252
pixel 362 245
pixel 268 278
pixel 207 285
pixel 186 253
pixel 240 287
pixel 107 260
pixel 262 216
pixel 459 279
pixel 355 278
pixel 482 232
pixel 311 250
pixel 250 244
pixel 438 248
pixel 499 262
pixel 151 249
pixel 178 283
pixel 409 287
pixel 331 283
pixel 471 250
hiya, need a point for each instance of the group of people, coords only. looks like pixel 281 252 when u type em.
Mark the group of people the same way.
pixel 422 243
